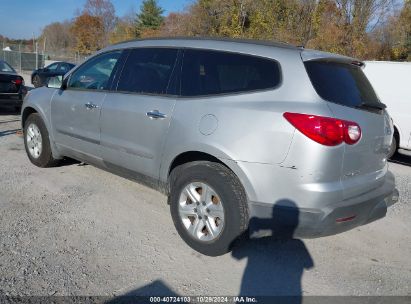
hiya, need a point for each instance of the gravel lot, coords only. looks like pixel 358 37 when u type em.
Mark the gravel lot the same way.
pixel 77 230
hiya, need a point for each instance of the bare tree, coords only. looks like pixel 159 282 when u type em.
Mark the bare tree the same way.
pixel 57 38
pixel 105 10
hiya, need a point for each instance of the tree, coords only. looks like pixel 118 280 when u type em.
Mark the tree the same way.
pixel 175 24
pixel 57 38
pixel 87 31
pixel 401 32
pixel 105 10
pixel 122 31
pixel 150 17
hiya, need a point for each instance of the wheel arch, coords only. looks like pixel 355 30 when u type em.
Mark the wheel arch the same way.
pixel 26 112
pixel 398 136
pixel 196 155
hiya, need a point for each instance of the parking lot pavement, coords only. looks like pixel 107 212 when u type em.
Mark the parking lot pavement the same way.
pixel 77 230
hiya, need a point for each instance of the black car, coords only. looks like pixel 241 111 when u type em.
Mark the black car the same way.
pixel 12 89
pixel 39 77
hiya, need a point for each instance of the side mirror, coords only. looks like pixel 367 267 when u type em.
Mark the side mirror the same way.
pixel 55 82
pixel 64 83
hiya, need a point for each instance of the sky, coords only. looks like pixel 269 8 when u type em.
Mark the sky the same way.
pixel 19 19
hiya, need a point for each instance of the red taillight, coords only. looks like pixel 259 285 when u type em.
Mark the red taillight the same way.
pixel 17 81
pixel 325 130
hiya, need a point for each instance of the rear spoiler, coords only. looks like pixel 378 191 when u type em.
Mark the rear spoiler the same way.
pixel 313 55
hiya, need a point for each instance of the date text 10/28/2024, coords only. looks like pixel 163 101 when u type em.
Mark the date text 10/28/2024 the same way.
pixel 203 299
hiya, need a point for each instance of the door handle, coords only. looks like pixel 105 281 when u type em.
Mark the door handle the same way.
pixel 155 114
pixel 90 105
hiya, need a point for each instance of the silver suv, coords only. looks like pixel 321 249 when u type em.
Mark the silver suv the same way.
pixel 242 136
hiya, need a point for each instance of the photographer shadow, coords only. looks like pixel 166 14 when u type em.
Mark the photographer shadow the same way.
pixel 156 289
pixel 275 263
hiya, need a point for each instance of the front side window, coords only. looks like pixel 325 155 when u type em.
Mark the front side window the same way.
pixel 212 72
pixel 95 74
pixel 148 70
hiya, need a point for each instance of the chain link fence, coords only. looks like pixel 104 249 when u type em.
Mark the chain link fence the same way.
pixel 24 59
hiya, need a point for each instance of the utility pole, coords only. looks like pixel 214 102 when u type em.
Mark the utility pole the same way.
pixel 37 56
pixel 20 56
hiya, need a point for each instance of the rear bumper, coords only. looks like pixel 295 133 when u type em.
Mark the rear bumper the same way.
pixel 285 219
pixel 14 99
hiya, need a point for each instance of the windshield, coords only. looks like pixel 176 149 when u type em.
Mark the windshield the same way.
pixel 4 67
pixel 342 83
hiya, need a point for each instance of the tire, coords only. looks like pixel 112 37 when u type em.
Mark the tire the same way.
pixel 225 192
pixel 393 148
pixel 32 126
pixel 36 81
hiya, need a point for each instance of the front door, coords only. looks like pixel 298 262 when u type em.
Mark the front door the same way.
pixel 75 111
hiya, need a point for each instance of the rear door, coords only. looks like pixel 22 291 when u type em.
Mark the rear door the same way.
pixel 75 111
pixel 351 97
pixel 135 119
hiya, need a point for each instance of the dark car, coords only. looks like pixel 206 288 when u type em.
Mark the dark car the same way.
pixel 39 77
pixel 12 89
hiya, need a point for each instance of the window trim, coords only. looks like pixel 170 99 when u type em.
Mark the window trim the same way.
pixel 175 73
pixel 280 82
pixel 109 85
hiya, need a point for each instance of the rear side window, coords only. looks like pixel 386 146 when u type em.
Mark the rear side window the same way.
pixel 148 70
pixel 341 83
pixel 212 72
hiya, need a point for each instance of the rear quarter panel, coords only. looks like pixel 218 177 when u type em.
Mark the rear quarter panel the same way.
pixel 248 128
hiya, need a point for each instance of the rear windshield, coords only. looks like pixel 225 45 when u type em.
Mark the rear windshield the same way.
pixel 4 67
pixel 342 83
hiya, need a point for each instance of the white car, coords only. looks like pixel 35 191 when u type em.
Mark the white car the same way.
pixel 392 82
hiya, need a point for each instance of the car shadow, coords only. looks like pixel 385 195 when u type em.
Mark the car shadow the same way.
pixel 9 121
pixel 275 263
pixel 66 161
pixel 401 159
pixel 8 132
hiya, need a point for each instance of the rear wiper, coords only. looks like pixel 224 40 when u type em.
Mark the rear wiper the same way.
pixel 379 106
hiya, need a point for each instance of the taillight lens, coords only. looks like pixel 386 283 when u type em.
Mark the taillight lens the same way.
pixel 325 130
pixel 352 133
pixel 17 81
